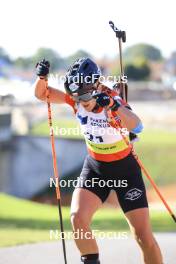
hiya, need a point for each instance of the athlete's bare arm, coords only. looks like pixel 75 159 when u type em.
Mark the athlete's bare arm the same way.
pixel 129 119
pixel 56 96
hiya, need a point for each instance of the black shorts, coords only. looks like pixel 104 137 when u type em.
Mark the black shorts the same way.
pixel 124 176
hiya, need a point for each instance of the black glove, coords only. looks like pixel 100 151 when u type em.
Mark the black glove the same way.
pixel 103 100
pixel 42 68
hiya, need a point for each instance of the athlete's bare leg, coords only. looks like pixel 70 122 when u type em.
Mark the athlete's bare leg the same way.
pixel 84 205
pixel 140 226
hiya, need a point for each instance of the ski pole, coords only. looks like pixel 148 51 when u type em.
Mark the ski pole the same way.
pixel 121 35
pixel 55 169
pixel 117 125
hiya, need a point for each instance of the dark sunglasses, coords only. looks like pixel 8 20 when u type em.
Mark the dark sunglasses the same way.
pixel 84 97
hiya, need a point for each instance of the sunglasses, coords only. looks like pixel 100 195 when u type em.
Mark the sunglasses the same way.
pixel 84 97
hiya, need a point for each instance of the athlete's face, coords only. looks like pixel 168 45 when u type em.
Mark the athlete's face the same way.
pixel 89 105
pixel 85 100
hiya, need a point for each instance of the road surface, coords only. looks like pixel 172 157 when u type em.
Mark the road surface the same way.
pixel 113 251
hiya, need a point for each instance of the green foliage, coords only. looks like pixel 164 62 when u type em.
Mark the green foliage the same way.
pixel 56 61
pixel 24 63
pixel 4 56
pixel 146 51
pixel 137 71
pixel 67 124
pixel 78 54
pixel 152 148
pixel 131 57
pixel 157 150
pixel 23 221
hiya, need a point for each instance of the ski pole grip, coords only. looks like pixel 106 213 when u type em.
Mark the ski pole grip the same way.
pixel 112 26
pixel 119 33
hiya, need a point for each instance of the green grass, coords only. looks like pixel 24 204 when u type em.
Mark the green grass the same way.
pixel 153 136
pixel 23 221
pixel 42 128
pixel 157 149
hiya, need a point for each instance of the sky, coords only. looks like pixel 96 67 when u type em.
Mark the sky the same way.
pixel 67 26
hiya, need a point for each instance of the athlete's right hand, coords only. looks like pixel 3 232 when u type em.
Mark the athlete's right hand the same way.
pixel 42 68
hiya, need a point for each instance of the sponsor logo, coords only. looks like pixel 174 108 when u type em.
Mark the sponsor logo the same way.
pixel 83 119
pixel 133 194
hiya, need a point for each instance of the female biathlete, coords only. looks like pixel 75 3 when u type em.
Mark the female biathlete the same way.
pixel 109 158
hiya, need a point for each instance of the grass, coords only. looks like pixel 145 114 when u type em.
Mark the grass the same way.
pixel 157 149
pixel 42 128
pixel 23 221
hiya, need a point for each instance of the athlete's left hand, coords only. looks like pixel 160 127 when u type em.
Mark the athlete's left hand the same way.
pixel 105 100
pixel 102 99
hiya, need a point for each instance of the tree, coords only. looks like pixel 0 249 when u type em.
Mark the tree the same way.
pixel 24 63
pixel 139 70
pixel 4 57
pixel 145 51
pixel 56 61
pixel 78 54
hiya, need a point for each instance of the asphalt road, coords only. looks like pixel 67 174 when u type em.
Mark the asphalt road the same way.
pixel 113 251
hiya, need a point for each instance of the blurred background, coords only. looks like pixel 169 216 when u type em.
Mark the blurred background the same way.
pixel 62 31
